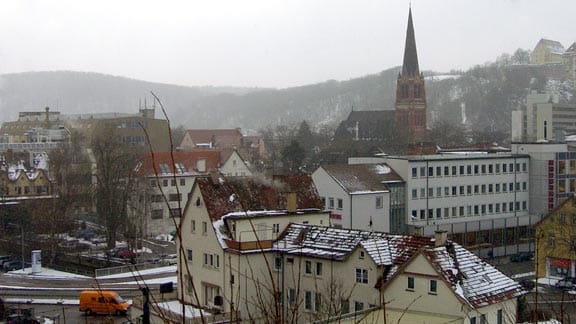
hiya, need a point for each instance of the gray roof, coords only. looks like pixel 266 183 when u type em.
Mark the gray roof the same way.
pixel 355 178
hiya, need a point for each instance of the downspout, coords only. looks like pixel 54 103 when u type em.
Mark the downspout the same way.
pixel 351 200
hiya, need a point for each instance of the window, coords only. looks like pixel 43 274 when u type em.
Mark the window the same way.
pixel 422 172
pixel 165 183
pixel 276 228
pixel 308 267
pixel 497 187
pixel 490 188
pixel 476 169
pixel 524 186
pixel 331 203
pixel 504 167
pixel 204 227
pixel 189 255
pixel 422 192
pixel 552 241
pixel 414 193
pixel 439 192
pixel 175 212
pixel 410 283
pixel 414 172
pixel 461 190
pixel 430 192
pixel 438 171
pixel 317 301
pixel 476 189
pixel 461 211
pixel 164 169
pixel 497 167
pixel 461 170
pixel 319 269
pixel 511 167
pixel 472 320
pixel 453 190
pixel 483 168
pixel 193 226
pixel 483 319
pixel 524 167
pixel 499 318
pixel 308 300
pixel 430 171
pixel 211 260
pixel 157 214
pixel 469 189
pixel 175 197
pixel 277 263
pixel 483 188
pixel 340 203
pixel 182 181
pixel 433 287
pixel 490 168
pixel 438 212
pixel 446 171
pixel 344 306
pixel 362 275
pixel 291 296
pixel 153 183
pixel 454 170
pixel 379 202
pixel 173 182
pixel 358 306
pixel 468 169
pixel 562 219
pixel 361 255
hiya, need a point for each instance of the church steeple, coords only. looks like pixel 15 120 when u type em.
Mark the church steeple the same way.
pixel 410 91
pixel 410 65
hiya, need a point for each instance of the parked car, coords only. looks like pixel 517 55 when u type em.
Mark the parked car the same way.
pixel 567 283
pixel 170 259
pixel 12 265
pixel 527 284
pixel 521 257
pixel 4 258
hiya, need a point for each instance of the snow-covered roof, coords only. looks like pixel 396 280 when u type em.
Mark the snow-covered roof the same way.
pixel 476 282
pixel 362 178
pixel 553 46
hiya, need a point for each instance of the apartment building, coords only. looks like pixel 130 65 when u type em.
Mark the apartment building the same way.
pixel 362 196
pixel 480 198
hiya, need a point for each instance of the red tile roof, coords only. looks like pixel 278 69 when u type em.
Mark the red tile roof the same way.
pixel 150 164
pixel 225 195
pixel 221 138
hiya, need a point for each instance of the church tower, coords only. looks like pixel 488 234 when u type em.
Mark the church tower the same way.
pixel 410 105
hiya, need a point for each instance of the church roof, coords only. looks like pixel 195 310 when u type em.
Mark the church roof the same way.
pixel 410 65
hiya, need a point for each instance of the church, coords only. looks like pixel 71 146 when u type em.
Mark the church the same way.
pixel 393 130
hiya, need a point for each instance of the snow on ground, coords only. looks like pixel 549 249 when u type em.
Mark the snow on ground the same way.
pixel 176 307
pixel 160 270
pixel 46 273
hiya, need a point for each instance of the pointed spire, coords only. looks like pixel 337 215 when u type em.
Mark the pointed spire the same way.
pixel 410 65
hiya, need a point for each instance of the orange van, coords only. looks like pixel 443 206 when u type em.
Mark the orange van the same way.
pixel 102 301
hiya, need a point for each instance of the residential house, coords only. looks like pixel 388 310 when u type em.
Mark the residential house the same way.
pixel 233 165
pixel 228 225
pixel 547 51
pixel 17 183
pixel 211 138
pixel 252 252
pixel 556 242
pixel 362 196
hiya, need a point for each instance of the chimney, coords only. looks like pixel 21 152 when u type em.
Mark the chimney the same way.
pixel 291 204
pixel 440 237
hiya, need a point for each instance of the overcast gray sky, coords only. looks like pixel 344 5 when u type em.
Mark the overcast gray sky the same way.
pixel 267 43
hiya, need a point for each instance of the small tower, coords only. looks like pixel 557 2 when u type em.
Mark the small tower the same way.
pixel 410 92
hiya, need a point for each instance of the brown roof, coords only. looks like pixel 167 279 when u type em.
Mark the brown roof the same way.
pixel 362 177
pixel 220 138
pixel 225 195
pixel 151 162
